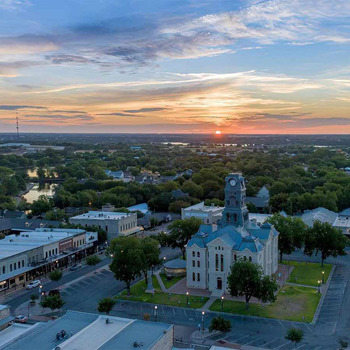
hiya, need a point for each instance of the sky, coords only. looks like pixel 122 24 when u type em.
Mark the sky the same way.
pixel 175 66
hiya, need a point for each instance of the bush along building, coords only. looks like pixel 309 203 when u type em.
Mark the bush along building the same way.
pixel 214 248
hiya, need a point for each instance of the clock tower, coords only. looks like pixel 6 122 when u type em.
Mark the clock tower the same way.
pixel 235 212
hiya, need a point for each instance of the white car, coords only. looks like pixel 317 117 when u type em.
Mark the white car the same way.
pixel 33 284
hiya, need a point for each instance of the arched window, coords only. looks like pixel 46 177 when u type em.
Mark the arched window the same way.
pixel 216 262
pixel 244 258
pixel 235 257
pixel 227 216
pixel 198 277
pixel 235 216
pixel 193 263
pixel 198 263
pixel 193 276
pixel 222 262
pixel 193 254
pixel 250 258
pixel 198 254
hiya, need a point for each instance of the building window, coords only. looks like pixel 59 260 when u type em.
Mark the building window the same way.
pixel 22 263
pixel 10 267
pixel 193 254
pixel 235 257
pixel 15 266
pixel 193 263
pixel 193 276
pixel 21 278
pixel 216 262
pixel 222 262
pixel 198 277
pixel 198 263
pixel 250 258
pixel 12 281
pixel 198 254
pixel 56 251
pixel 244 258
pixel 3 269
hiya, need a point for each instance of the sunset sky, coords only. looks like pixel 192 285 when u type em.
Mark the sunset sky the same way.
pixel 175 66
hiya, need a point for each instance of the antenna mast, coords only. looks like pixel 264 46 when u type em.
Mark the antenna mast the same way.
pixel 17 125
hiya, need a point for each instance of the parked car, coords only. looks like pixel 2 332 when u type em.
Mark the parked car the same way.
pixel 54 292
pixel 21 319
pixel 33 284
pixel 75 267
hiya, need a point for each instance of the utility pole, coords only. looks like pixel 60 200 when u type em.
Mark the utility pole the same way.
pixel 17 125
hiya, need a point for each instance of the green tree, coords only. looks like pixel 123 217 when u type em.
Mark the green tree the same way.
pixel 41 174
pixel 291 231
pixel 247 279
pixel 295 335
pixel 41 205
pixel 106 305
pixel 150 254
pixel 93 260
pixel 55 275
pixel 52 302
pixel 323 238
pixel 220 324
pixel 128 261
pixel 181 231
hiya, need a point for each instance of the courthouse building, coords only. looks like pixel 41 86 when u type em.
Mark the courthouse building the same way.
pixel 214 248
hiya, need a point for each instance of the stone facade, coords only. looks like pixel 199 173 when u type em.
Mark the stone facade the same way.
pixel 213 249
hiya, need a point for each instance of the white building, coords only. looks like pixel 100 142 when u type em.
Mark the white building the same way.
pixel 114 223
pixel 214 248
pixel 209 214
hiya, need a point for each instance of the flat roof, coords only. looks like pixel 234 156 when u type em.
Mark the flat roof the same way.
pixel 91 332
pixel 102 215
pixel 29 240
pixel 147 333
pixel 202 207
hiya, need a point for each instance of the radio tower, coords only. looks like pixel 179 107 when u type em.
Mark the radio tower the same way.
pixel 17 125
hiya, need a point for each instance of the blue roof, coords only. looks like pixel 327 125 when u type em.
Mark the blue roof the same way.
pixel 239 238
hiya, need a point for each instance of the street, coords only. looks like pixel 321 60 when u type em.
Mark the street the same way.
pixel 82 289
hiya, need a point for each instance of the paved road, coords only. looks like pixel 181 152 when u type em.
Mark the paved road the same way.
pixel 334 319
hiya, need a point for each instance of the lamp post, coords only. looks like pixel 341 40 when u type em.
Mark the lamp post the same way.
pixel 155 313
pixel 222 303
pixel 40 291
pixel 203 313
pixel 322 277
pixel 319 286
pixel 187 298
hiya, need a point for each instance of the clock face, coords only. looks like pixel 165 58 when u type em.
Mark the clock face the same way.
pixel 233 182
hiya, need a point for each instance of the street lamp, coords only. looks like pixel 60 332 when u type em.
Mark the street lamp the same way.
pixel 187 298
pixel 155 313
pixel 222 303
pixel 322 276
pixel 319 286
pixel 203 313
pixel 40 289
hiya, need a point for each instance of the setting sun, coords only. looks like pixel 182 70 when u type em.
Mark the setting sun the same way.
pixel 218 132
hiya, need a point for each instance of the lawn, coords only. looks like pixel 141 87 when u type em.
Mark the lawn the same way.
pixel 293 303
pixel 170 283
pixel 308 273
pixel 138 294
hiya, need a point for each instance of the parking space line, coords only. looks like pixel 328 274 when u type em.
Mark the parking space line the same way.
pixel 253 341
pixel 288 342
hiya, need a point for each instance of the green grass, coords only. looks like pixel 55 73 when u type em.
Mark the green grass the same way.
pixel 170 283
pixel 293 303
pixel 137 293
pixel 308 273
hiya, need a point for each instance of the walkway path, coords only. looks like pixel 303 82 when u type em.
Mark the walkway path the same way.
pixel 160 281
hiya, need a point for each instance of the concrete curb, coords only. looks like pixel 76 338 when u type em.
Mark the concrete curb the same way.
pixel 314 320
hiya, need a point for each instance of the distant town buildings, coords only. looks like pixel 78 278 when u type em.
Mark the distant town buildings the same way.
pixel 26 255
pixel 261 200
pixel 214 248
pixel 114 223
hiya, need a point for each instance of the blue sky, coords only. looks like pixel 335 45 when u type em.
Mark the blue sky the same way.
pixel 244 66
